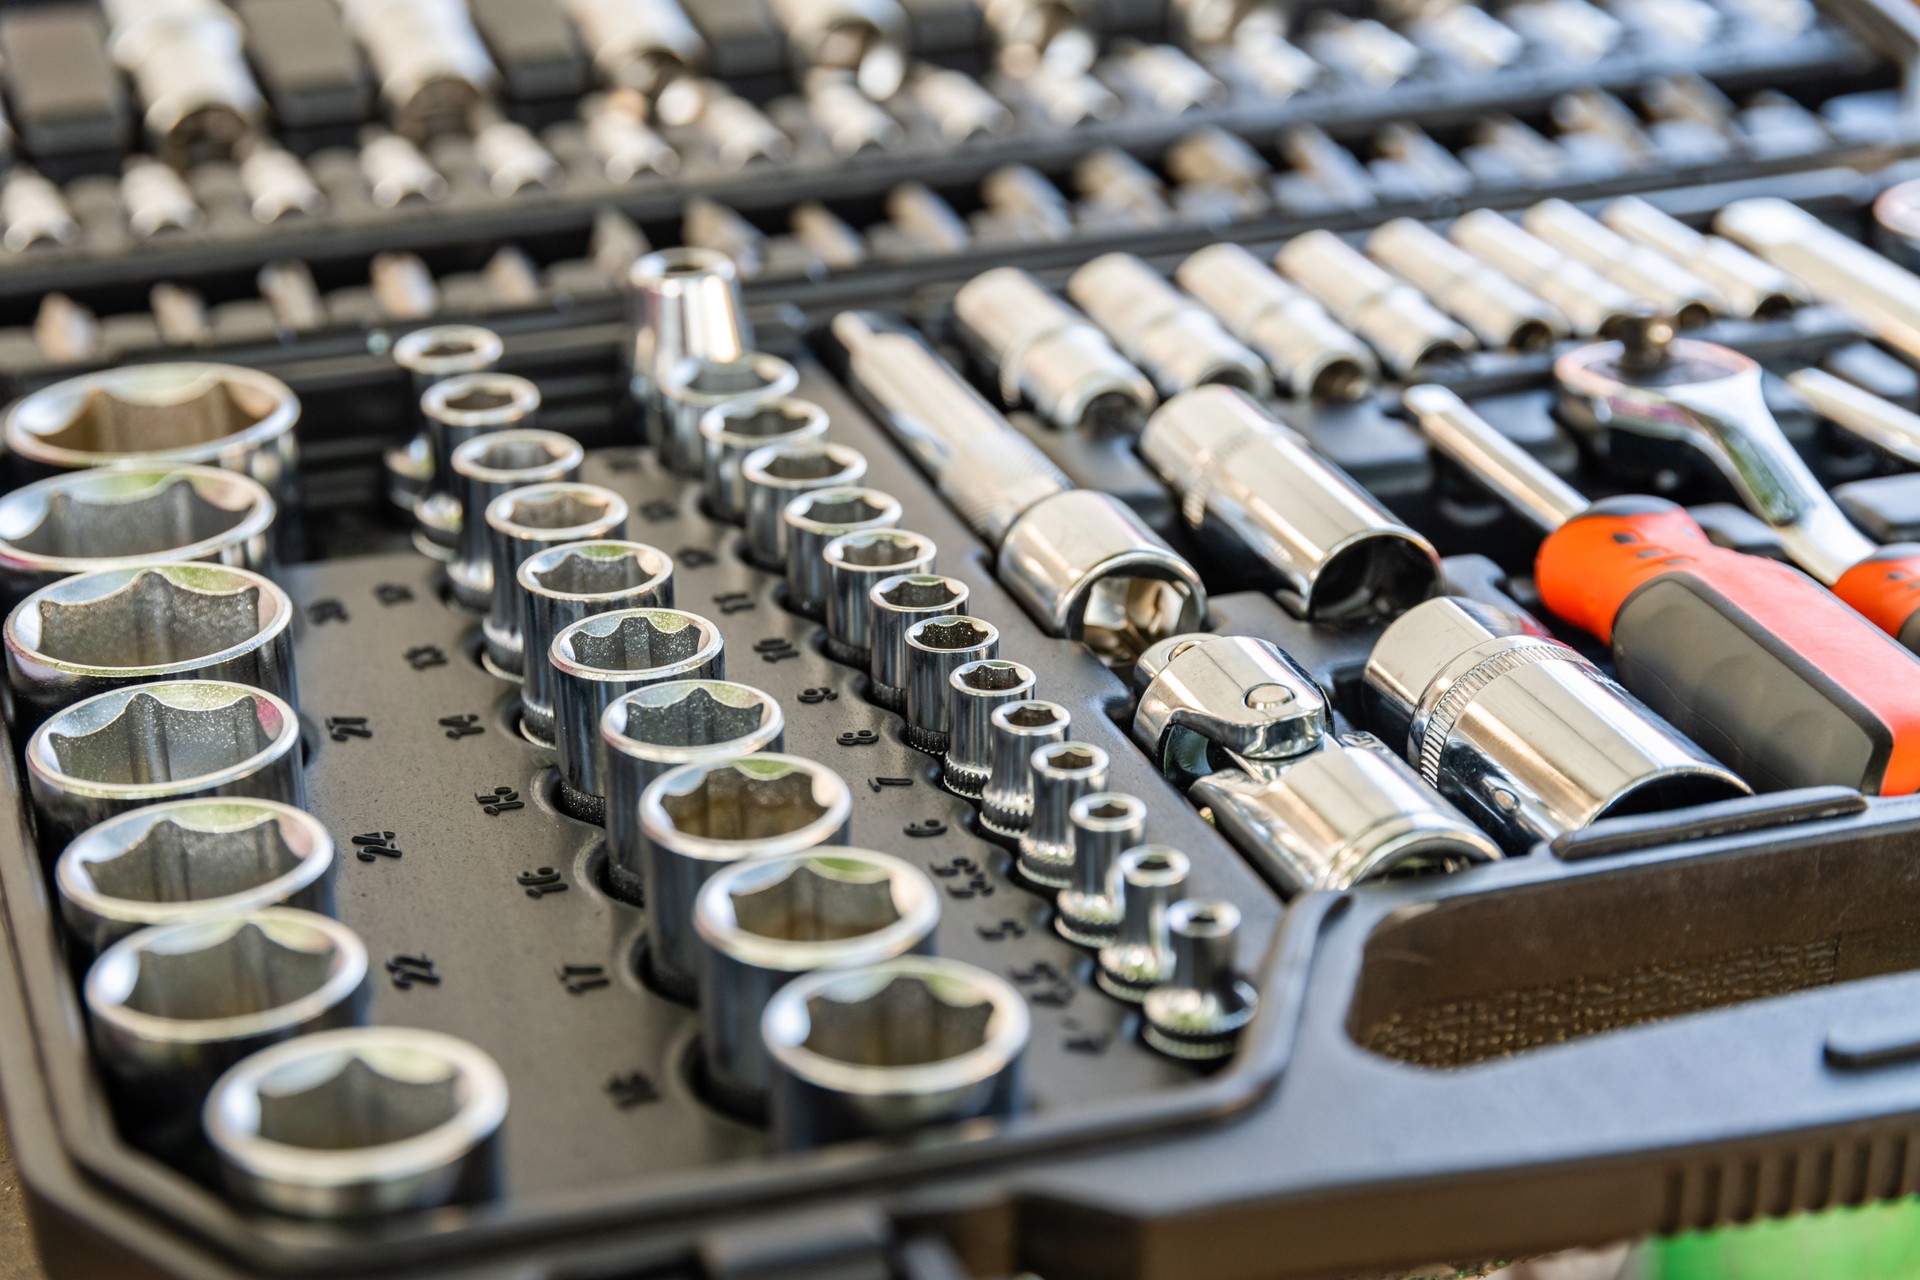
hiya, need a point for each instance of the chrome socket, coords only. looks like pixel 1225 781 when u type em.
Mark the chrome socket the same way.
pixel 959 106
pixel 191 862
pixel 278 185
pixel 513 159
pixel 523 521
pixel 1250 486
pixel 686 306
pixel 660 727
pixel 1310 354
pixel 130 517
pixel 975 691
pixel 397 174
pixel 1061 773
pixel 564 584
pixel 358 1122
pixel 1455 677
pixel 855 562
pixel 852 123
pixel 431 63
pixel 814 520
pixel 1211 702
pixel 87 634
pixel 693 388
pixel 1069 98
pixel 1022 197
pixel 698 818
pixel 772 476
pixel 899 602
pixel 1174 339
pixel 1592 303
pixel 1104 825
pixel 485 467
pixel 172 1006
pixel 1018 730
pixel 603 656
pixel 189 69
pixel 1198 1014
pixel 622 140
pixel 1036 37
pixel 935 649
pixel 892 1047
pixel 925 221
pixel 1502 315
pixel 170 740
pixel 1349 812
pixel 1047 354
pixel 730 433
pixel 643 45
pixel 1645 273
pixel 157 200
pixel 427 356
pixel 738 133
pixel 458 409
pixel 1396 318
pixel 33 211
pixel 1148 880
pixel 1165 78
pixel 1748 286
pixel 1211 159
pixel 766 921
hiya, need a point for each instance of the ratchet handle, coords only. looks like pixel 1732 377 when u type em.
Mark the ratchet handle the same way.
pixel 1886 587
pixel 1758 663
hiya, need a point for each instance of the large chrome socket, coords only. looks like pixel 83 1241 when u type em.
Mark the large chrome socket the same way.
pixel 773 476
pixel 152 415
pixel 1046 354
pixel 603 656
pixel 864 40
pixel 172 740
pixel 1147 880
pixel 427 356
pixel 523 521
pixel 814 520
pixel 84 635
pixel 1060 773
pixel 1199 1013
pixel 663 726
pixel 1393 316
pixel 1502 314
pixel 730 433
pixel 1105 824
pixel 1018 730
pixel 483 469
pixel 191 861
pixel 686 306
pixel 358 1122
pixel 1216 702
pixel 855 563
pixel 1311 355
pixel 124 518
pixel 892 1047
pixel 173 1006
pixel 935 649
pixel 1591 303
pixel 692 388
pixel 1174 339
pixel 974 692
pixel 1523 733
pixel 575 580
pixel 898 602
pixel 766 921
pixel 701 817
pixel 458 409
pixel 188 64
pixel 1250 486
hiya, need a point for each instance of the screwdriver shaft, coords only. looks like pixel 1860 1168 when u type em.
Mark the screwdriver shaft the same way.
pixel 1499 464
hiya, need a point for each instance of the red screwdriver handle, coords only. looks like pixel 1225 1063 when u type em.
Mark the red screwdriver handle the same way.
pixel 1886 587
pixel 1590 565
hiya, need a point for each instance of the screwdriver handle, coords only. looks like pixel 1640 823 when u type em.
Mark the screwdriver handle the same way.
pixel 1886 588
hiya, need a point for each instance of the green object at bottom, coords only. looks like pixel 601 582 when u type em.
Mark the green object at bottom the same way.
pixel 1879 1242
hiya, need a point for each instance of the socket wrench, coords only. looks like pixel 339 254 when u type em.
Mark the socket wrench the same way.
pixel 523 521
pixel 465 407
pixel 897 603
pixel 486 467
pixel 731 433
pixel 974 692
pixel 814 521
pixel 1173 338
pixel 575 580
pixel 774 475
pixel 1313 357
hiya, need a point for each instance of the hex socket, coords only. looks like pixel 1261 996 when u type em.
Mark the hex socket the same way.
pixel 813 520
pixel 773 476
pixel 766 921
pixel 1174 339
pixel 1394 317
pixel 605 655
pixel 1591 303
pixel 855 563
pixel 1045 353
pixel 1061 773
pixel 191 861
pixel 686 306
pixel 1019 728
pixel 1199 1014
pixel 1502 314
pixel 660 727
pixel 426 356
pixel 458 409
pixel 84 635
pixel 486 467
pixel 1311 355
pixel 575 580
pixel 730 433
pixel 975 691
pixel 1104 825
pixel 529 519
pixel 1147 880
pixel 892 1047
pixel 172 740
pixel 692 388
pixel 898 602
pixel 697 818
pixel 936 648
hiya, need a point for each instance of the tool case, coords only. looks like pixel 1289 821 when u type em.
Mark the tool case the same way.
pixel 1660 1023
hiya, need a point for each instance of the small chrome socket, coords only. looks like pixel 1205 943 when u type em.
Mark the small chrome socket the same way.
pixel 935 649
pixel 738 133
pixel 173 740
pixel 958 105
pixel 898 602
pixel 663 726
pixel 854 563
pixel 1148 881
pixel 1592 304
pixel 603 656
pixel 396 173
pixel 774 475
pixel 1018 730
pixel 427 356
pixel 975 691
pixel 1061 773
pixel 523 521
pixel 1396 318
pixel 1198 1014
pixel 358 1122
pixel 686 306
pixel 1104 825
pixel 92 632
pixel 892 1047
pixel 815 519
pixel 486 467
pixel 690 389
pixel 766 921
pixel 1312 356
pixel 647 46
pixel 191 861
pixel 575 580
pixel 730 433
pixel 189 69
pixel 430 61
pixel 852 123
pixel 700 817
pixel 458 409
pixel 1502 314
pixel 1173 338
pixel 131 517
pixel 157 200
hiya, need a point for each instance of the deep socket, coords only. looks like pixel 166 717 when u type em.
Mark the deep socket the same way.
pixel 730 433
pixel 1748 286
pixel 1173 338
pixel 1148 880
pixel 1310 354
pixel 898 602
pixel 1018 730
pixel 1645 273
pixel 686 306
pixel 813 520
pixel 1591 303
pixel 529 519
pixel 575 580
pixel 189 68
pixel 486 467
pixel 1104 825
pixel 1392 315
pixel 935 649
pixel 693 387
pixel 641 45
pixel 1198 1014
pixel 975 691
pixel 430 61
pixel 1502 315
pixel 855 562
pixel 1061 773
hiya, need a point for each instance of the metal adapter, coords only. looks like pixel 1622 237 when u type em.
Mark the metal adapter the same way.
pixel 1393 316
pixel 1176 340
pixel 1309 352
pixel 1210 702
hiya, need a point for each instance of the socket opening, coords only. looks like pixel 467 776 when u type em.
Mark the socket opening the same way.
pixel 991 677
pixel 105 521
pixel 600 568
pixel 440 351
pixel 1069 759
pixel 726 379
pixel 249 969
pixel 129 418
pixel 196 732
pixel 192 859
pixel 637 640
pixel 478 400
pixel 1343 380
pixel 1531 336
pixel 1775 305
pixel 557 509
pixel 1110 811
pixel 836 509
pixel 769 420
pixel 919 592
pixel 1124 614
pixel 1031 715
pixel 689 715
pixel 1375 574
pixel 358 1106
pixel 805 465
pixel 911 1020
pixel 880 550
pixel 158 618
pixel 746 800
pixel 950 634
pixel 819 900
pixel 509 455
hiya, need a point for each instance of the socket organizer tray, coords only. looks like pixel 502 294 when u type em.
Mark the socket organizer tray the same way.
pixel 926 639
